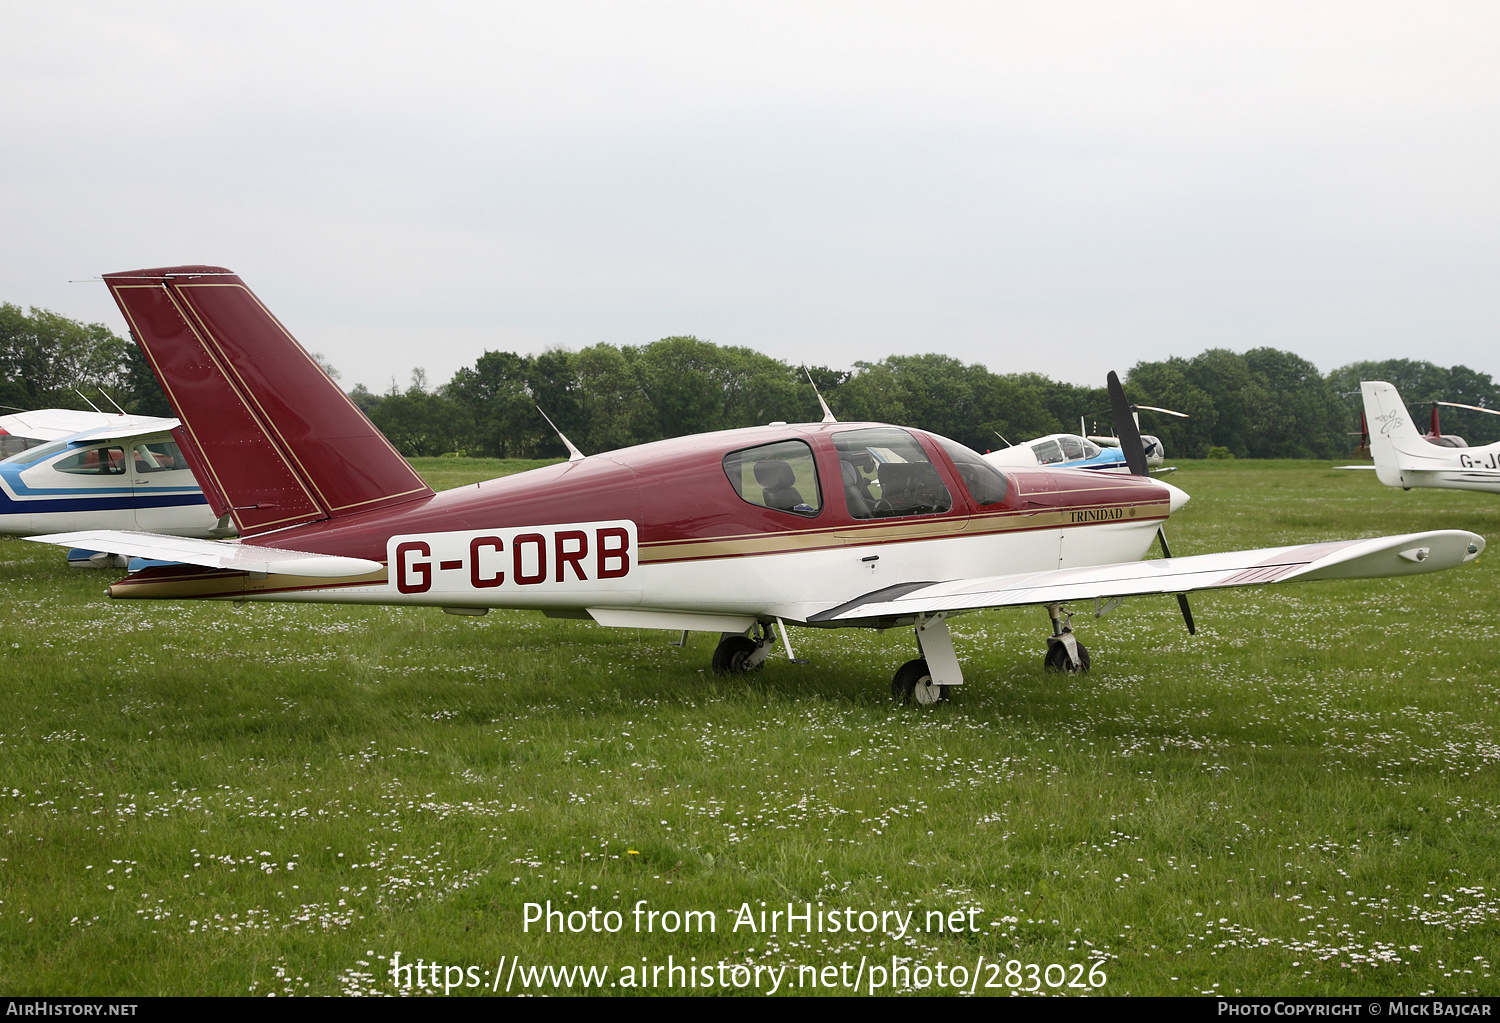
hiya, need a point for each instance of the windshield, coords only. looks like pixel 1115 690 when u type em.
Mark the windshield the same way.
pixel 986 485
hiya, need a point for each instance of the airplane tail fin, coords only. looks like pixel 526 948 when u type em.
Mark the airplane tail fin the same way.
pixel 1393 435
pixel 272 439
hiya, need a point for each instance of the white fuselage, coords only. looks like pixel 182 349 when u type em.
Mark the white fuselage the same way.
pixel 668 593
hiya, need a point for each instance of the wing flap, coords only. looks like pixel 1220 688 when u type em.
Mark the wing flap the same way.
pixel 1407 554
pixel 213 553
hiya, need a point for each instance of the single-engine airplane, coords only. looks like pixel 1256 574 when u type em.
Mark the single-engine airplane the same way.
pixel 97 470
pixel 1405 458
pixel 824 525
pixel 1076 451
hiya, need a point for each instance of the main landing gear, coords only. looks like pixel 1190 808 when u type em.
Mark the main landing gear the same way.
pixel 1064 652
pixel 741 653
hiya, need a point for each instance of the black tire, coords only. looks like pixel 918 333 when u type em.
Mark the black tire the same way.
pixel 1057 659
pixel 913 684
pixel 731 653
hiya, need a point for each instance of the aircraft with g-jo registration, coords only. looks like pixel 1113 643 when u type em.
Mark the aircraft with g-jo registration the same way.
pixel 1405 458
pixel 824 525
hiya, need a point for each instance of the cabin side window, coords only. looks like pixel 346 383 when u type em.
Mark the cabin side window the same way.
pixel 887 474
pixel 158 456
pixel 1048 452
pixel 986 485
pixel 780 476
pixel 94 462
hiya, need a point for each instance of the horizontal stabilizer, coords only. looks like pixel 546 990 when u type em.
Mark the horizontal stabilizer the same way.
pixel 213 553
pixel 1409 554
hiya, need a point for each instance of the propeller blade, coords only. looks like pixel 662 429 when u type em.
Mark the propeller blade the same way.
pixel 1125 428
pixel 1471 408
pixel 1153 408
pixel 1135 457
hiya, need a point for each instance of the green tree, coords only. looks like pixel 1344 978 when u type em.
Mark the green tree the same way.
pixel 1170 385
pixel 422 422
pixel 495 395
pixel 613 407
pixel 1421 383
pixel 45 359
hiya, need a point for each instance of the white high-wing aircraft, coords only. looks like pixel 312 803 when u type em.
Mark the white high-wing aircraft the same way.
pixel 97 470
pixel 1406 459
pixel 824 525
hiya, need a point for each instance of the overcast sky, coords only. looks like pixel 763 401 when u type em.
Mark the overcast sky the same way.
pixel 1054 187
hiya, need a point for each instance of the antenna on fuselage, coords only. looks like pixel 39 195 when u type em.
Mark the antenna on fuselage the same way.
pixel 828 416
pixel 574 455
pixel 111 401
pixel 87 402
pixel 997 433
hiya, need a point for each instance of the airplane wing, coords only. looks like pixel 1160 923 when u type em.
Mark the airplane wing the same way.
pixel 139 428
pixel 56 423
pixel 1408 554
pixel 212 553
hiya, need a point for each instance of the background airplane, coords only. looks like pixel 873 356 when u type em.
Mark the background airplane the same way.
pixel 1405 458
pixel 826 525
pixel 1071 451
pixel 96 470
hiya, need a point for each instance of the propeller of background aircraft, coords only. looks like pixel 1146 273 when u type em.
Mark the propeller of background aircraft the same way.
pixel 1135 457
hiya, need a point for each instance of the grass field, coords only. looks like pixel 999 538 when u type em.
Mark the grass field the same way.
pixel 210 798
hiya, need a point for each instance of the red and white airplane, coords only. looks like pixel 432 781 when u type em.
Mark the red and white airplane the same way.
pixel 824 525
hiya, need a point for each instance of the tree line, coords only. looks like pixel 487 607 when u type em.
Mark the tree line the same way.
pixel 1264 403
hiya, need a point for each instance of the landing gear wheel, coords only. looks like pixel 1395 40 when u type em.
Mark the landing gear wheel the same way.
pixel 913 684
pixel 1057 658
pixel 733 656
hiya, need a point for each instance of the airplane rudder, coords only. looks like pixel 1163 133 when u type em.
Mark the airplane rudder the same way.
pixel 1391 429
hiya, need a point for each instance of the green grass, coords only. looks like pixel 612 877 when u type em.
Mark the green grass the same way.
pixel 1300 799
pixel 447 473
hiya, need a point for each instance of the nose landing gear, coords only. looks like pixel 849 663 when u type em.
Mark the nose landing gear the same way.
pixel 1064 653
pixel 930 678
pixel 913 684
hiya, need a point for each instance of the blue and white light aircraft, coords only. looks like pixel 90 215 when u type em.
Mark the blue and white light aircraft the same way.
pixel 117 472
pixel 1072 451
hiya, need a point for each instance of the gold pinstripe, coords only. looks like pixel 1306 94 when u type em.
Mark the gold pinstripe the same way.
pixel 751 544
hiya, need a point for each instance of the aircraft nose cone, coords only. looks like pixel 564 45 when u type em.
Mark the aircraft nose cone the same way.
pixel 1176 495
